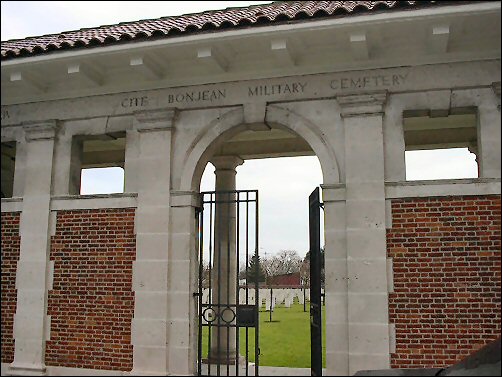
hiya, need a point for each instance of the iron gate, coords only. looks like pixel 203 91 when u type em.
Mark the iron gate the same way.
pixel 228 295
pixel 315 283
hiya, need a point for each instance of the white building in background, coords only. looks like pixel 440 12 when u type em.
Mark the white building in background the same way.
pixel 101 284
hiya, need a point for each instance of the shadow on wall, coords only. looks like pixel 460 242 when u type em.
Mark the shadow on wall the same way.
pixel 484 362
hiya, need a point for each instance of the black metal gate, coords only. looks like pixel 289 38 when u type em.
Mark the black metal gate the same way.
pixel 228 295
pixel 315 283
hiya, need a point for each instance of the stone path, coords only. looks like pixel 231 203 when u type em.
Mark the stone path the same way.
pixel 263 371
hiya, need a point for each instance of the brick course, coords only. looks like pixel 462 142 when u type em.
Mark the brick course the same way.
pixel 10 255
pixel 447 278
pixel 92 303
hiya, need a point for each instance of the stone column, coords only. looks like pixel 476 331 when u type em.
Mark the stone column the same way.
pixel 67 163
pixel 489 135
pixel 149 326
pixel 487 101
pixel 182 283
pixel 131 166
pixel 31 325
pixel 368 326
pixel 19 169
pixel 224 273
pixel 335 262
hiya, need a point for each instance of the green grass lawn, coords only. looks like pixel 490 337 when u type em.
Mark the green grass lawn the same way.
pixel 285 341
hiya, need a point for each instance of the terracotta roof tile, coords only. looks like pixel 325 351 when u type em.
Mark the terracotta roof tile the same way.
pixel 273 13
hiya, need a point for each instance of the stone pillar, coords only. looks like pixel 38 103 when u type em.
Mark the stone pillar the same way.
pixel 335 262
pixel 149 326
pixel 19 169
pixel 67 164
pixel 489 135
pixel 224 273
pixel 182 283
pixel 31 325
pixel 394 151
pixel 487 101
pixel 368 326
pixel 131 167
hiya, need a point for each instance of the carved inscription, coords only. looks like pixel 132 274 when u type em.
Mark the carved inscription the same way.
pixel 134 102
pixel 364 82
pixel 197 96
pixel 289 88
pixel 276 89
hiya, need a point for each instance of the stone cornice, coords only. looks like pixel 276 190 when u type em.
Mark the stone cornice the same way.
pixel 44 130
pixel 154 120
pixel 360 105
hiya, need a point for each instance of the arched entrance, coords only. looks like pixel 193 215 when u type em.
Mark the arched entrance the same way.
pixel 215 142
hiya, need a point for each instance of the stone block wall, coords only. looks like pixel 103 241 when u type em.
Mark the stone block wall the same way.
pixel 91 304
pixel 10 256
pixel 447 278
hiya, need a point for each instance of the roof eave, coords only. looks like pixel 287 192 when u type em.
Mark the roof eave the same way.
pixel 356 20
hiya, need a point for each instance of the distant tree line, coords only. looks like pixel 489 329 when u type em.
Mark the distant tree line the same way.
pixel 285 262
pixel 262 268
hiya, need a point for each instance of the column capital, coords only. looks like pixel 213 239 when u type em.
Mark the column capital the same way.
pixel 226 162
pixel 360 105
pixel 154 120
pixel 43 130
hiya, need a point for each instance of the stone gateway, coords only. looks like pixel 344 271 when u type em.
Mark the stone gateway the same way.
pixel 109 283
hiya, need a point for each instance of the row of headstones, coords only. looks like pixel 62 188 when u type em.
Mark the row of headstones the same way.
pixel 271 297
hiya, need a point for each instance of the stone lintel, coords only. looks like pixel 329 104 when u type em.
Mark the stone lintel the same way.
pixel 44 130
pixel 360 105
pixel 226 162
pixel 154 120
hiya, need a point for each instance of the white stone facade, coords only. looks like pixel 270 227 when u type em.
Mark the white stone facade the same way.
pixel 351 120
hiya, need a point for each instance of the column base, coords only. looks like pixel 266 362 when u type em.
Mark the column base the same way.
pixel 27 370
pixel 223 360
pixel 146 373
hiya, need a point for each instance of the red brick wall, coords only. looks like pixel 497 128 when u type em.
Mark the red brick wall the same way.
pixel 446 258
pixel 10 256
pixel 92 303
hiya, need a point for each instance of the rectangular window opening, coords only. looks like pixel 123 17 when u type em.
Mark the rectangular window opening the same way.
pixel 102 180
pixel 8 166
pixel 441 144
pixel 98 164
pixel 451 163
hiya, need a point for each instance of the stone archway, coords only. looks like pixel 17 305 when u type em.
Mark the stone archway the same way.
pixel 184 200
pixel 232 122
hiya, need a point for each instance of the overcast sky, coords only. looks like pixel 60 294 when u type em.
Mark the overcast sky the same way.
pixel 284 184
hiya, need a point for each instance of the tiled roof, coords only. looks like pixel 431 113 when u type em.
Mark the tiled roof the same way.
pixel 167 27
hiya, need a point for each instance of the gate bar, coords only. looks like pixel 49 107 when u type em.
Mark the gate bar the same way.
pixel 315 283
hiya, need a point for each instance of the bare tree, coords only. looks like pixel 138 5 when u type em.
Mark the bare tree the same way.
pixel 206 271
pixel 285 262
pixel 305 268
